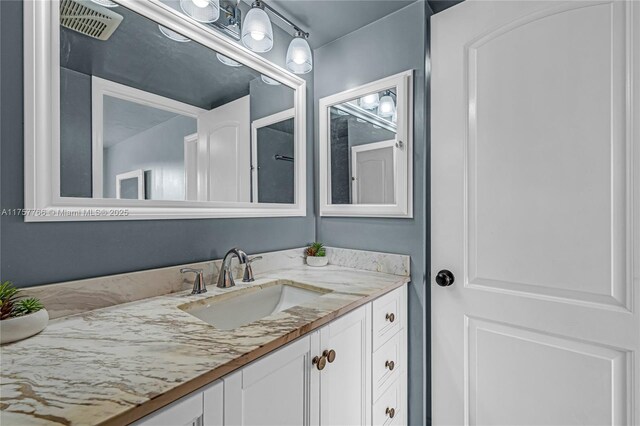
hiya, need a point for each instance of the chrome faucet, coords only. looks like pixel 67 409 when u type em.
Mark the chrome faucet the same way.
pixel 198 283
pixel 248 271
pixel 225 279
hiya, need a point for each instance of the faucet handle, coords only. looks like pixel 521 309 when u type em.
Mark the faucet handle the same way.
pixel 199 285
pixel 248 270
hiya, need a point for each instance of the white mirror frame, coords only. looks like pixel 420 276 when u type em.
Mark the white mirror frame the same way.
pixel 43 202
pixel 403 206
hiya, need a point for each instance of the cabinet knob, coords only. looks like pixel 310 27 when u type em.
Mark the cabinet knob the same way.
pixel 390 365
pixel 391 412
pixel 330 355
pixel 390 317
pixel 319 361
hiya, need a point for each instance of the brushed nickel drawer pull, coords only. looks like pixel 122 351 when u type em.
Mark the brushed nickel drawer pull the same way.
pixel 390 317
pixel 390 365
pixel 390 412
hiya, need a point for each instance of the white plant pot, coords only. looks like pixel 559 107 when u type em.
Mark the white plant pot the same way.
pixel 317 261
pixel 14 329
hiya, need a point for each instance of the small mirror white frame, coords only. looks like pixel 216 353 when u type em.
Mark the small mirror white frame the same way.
pixel 42 125
pixel 402 207
pixel 138 175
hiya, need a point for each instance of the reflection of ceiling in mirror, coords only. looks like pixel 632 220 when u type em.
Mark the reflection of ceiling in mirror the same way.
pixel 124 119
pixel 138 55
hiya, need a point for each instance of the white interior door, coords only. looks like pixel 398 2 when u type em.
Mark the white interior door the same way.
pixel 224 159
pixel 372 168
pixel 535 201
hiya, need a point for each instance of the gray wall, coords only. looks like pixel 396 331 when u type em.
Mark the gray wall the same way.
pixel 40 253
pixel 391 45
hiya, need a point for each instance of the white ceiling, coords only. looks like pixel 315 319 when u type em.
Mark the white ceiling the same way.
pixel 327 20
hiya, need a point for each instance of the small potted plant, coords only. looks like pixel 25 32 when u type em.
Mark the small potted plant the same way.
pixel 19 317
pixel 316 255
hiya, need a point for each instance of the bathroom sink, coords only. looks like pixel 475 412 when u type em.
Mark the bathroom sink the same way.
pixel 244 306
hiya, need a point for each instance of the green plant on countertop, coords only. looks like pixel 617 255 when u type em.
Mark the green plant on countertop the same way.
pixel 316 250
pixel 12 305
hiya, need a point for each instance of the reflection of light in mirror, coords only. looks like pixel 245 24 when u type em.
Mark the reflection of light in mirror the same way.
pixel 387 107
pixel 173 35
pixel 228 61
pixel 370 101
pixel 201 10
pixel 269 80
pixel 105 3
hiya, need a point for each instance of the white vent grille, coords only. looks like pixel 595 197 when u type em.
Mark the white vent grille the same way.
pixel 88 18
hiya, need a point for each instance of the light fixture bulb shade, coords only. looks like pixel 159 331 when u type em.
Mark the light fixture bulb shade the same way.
pixel 228 61
pixel 173 35
pixel 268 80
pixel 299 59
pixel 257 32
pixel 387 106
pixel 205 11
pixel 105 3
pixel 370 101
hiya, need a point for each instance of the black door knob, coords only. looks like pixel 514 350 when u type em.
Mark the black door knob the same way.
pixel 445 278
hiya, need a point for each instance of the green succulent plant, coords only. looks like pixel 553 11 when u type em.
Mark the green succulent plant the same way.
pixel 8 298
pixel 316 250
pixel 27 306
pixel 13 305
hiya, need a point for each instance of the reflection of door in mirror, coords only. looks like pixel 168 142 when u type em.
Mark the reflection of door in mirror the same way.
pixel 362 154
pixel 273 158
pixel 224 131
pixel 372 173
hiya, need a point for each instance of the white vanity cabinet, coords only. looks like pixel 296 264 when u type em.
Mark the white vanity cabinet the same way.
pixel 351 372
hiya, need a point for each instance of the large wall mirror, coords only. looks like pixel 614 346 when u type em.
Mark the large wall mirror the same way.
pixel 152 113
pixel 366 150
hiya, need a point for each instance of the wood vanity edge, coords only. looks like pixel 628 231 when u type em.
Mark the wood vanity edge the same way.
pixel 138 412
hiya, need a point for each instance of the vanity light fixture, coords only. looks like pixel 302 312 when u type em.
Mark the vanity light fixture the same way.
pixel 105 3
pixel 228 61
pixel 205 11
pixel 370 101
pixel 257 35
pixel 299 59
pixel 257 32
pixel 173 35
pixel 387 107
pixel 270 81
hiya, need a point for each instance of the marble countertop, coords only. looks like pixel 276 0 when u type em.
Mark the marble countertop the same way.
pixel 117 364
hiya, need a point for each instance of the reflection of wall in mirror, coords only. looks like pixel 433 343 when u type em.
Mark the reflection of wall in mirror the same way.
pixel 276 176
pixel 268 100
pixel 159 151
pixel 346 132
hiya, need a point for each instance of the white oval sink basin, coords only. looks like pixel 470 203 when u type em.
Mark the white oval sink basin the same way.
pixel 237 308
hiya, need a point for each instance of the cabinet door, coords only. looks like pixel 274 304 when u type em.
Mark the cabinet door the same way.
pixel 184 412
pixel 345 383
pixel 274 390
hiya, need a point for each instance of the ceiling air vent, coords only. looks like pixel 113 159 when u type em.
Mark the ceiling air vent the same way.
pixel 88 18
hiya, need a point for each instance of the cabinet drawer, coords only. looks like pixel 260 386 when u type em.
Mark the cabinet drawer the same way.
pixel 387 362
pixel 388 316
pixel 390 403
